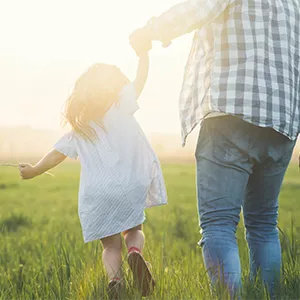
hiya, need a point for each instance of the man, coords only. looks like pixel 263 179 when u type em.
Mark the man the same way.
pixel 242 86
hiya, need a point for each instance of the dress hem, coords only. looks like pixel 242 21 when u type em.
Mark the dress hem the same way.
pixel 120 231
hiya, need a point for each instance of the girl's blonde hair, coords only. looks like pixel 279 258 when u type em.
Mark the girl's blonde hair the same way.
pixel 94 93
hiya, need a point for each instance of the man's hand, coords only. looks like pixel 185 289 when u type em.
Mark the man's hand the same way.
pixel 27 171
pixel 140 41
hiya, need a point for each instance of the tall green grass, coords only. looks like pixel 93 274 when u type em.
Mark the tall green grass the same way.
pixel 42 254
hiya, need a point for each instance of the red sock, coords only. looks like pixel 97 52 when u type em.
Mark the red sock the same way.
pixel 131 249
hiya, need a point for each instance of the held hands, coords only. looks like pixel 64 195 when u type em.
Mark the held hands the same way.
pixel 140 40
pixel 27 171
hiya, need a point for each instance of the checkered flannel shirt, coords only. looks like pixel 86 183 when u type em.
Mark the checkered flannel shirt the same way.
pixel 244 60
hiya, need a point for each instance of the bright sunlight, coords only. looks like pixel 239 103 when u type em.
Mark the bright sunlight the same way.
pixel 46 45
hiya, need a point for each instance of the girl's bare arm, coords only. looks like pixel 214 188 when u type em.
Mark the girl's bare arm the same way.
pixel 49 161
pixel 142 73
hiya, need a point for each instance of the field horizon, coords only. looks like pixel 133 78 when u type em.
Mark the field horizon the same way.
pixel 18 144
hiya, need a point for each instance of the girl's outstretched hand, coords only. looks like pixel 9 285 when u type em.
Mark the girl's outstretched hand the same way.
pixel 27 171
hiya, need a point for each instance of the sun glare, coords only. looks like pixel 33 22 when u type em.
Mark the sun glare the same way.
pixel 47 44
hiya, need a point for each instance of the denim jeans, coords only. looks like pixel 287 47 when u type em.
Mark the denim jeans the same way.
pixel 240 166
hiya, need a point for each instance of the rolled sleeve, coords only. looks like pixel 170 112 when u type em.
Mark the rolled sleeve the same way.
pixel 185 17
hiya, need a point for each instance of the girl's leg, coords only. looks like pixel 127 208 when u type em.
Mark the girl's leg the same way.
pixel 134 238
pixel 112 255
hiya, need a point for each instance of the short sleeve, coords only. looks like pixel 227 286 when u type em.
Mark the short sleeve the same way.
pixel 128 99
pixel 67 145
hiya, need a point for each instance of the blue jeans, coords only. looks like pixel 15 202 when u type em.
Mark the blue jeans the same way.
pixel 240 165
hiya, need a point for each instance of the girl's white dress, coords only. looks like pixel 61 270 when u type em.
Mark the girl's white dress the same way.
pixel 120 173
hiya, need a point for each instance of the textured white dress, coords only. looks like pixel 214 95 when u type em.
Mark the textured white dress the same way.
pixel 120 173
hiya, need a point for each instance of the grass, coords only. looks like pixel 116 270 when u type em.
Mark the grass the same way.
pixel 42 254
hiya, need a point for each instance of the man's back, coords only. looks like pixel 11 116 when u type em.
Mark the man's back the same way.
pixel 245 60
pixel 256 50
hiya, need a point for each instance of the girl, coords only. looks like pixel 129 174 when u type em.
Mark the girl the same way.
pixel 120 173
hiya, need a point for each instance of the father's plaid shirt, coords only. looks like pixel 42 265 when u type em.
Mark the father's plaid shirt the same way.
pixel 244 60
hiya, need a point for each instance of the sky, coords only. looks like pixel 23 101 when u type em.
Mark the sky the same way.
pixel 46 45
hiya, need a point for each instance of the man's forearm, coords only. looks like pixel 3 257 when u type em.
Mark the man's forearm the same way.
pixel 184 18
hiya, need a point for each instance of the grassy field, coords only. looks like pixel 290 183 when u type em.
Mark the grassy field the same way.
pixel 42 254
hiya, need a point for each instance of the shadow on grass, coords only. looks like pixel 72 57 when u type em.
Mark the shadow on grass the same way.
pixel 4 186
pixel 14 222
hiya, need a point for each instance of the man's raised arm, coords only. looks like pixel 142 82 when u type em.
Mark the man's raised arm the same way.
pixel 180 19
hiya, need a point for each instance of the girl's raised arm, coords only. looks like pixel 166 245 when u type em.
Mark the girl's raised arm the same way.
pixel 49 161
pixel 142 73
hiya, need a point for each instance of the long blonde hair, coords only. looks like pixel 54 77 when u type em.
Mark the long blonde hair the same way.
pixel 94 93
